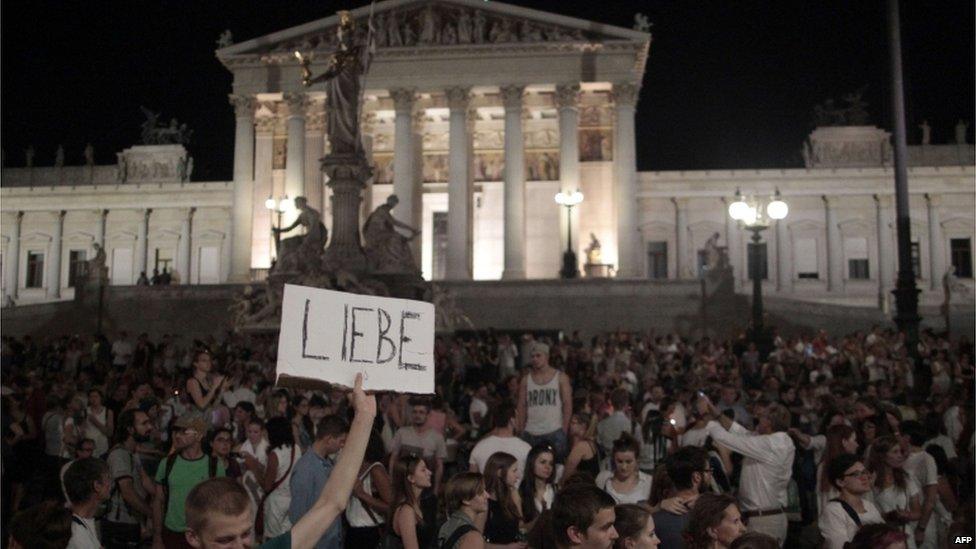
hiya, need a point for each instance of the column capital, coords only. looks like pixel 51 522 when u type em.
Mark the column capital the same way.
pixel 368 122
pixel 403 99
pixel 567 96
pixel 146 212
pixel 418 121
pixel 265 124
pixel 680 203
pixel 244 105
pixel 187 213
pixel 830 201
pixel 512 96
pixel 60 214
pixel 625 94
pixel 458 97
pixel 933 200
pixel 297 103
pixel 884 200
pixel 314 121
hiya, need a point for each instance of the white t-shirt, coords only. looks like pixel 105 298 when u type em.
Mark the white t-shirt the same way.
pixel 477 406
pixel 838 528
pixel 83 533
pixel 694 437
pixel 492 444
pixel 894 498
pixel 640 493
pixel 921 466
pixel 240 394
pixel 122 352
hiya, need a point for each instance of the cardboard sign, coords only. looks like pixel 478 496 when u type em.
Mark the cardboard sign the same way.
pixel 331 336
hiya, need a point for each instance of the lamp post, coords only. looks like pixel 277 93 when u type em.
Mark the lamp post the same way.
pixel 567 199
pixel 279 206
pixel 756 215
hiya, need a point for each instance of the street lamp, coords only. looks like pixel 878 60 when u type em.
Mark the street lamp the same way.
pixel 755 214
pixel 569 199
pixel 279 206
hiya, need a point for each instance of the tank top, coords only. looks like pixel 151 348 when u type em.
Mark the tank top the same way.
pixel 592 465
pixel 356 512
pixel 544 406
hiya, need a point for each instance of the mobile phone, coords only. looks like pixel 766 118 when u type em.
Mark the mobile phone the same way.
pixel 673 422
pixel 701 393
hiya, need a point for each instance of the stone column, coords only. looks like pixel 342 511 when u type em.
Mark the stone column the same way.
pixel 13 257
pixel 625 171
pixel 680 237
pixel 784 278
pixel 404 185
pixel 295 151
pixel 567 103
pixel 261 243
pixel 142 243
pixel 459 251
pixel 100 228
pixel 184 251
pixel 886 245
pixel 937 264
pixel 732 242
pixel 835 255
pixel 514 186
pixel 314 150
pixel 242 212
pixel 54 265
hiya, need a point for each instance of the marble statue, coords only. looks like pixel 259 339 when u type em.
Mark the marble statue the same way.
pixel 379 28
pixel 393 36
pixel 961 128
pixel 226 39
pixel 713 253
pixel 529 32
pixel 302 252
pixel 641 23
pixel 386 249
pixel 479 27
pixel 926 132
pixel 594 255
pixel 95 267
pixel 449 35
pixel 189 168
pixel 464 31
pixel 344 86
pixel 89 155
pixel 120 172
pixel 154 133
pixel 59 157
pixel 428 27
pixel 29 156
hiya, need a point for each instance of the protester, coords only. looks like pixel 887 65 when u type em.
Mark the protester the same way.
pixel 312 472
pixel 501 439
pixel 626 483
pixel 583 516
pixel 504 502
pixel 283 454
pixel 410 478
pixel 923 469
pixel 689 472
pixel 635 526
pixel 714 523
pixel 176 475
pixel 372 497
pixel 545 403
pixel 537 490
pixel 88 484
pixel 467 504
pixel 895 492
pixel 845 514
pixel 129 504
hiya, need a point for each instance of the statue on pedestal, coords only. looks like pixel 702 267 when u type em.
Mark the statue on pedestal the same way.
pixel 594 255
pixel 59 157
pixel 386 249
pixel 89 155
pixel 926 132
pixel 29 156
pixel 961 128
pixel 302 253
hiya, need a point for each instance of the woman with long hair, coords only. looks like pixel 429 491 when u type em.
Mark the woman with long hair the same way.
pixel 626 483
pixel 504 503
pixel 282 455
pixel 583 454
pixel 870 428
pixel 372 496
pixel 467 503
pixel 841 439
pixel 537 489
pixel 204 386
pixel 896 493
pixel 635 527
pixel 713 523
pixel 410 477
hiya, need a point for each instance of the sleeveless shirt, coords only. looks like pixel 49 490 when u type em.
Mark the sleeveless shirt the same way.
pixel 544 406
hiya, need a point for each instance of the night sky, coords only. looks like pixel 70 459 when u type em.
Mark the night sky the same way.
pixel 729 84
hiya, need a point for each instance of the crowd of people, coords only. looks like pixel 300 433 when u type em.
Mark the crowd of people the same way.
pixel 624 440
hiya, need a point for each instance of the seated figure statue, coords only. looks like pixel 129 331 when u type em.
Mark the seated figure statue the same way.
pixel 302 252
pixel 386 249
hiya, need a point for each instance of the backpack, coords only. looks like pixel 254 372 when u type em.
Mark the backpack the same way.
pixel 170 462
pixel 849 510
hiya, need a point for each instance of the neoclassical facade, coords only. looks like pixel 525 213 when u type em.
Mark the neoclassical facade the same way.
pixel 475 115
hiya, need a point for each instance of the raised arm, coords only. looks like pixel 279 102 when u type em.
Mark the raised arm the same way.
pixel 335 495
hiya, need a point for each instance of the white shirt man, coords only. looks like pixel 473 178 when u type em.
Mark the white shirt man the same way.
pixel 122 350
pixel 766 468
pixel 501 439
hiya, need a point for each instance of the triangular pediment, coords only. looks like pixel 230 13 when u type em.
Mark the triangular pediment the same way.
pixel 439 24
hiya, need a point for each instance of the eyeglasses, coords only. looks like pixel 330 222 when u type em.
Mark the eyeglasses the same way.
pixel 861 473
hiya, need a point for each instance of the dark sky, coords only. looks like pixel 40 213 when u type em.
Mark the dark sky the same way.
pixel 729 84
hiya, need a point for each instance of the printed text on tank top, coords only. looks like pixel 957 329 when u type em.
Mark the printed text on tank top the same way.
pixel 544 395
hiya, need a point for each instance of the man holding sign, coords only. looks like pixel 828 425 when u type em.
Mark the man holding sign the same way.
pixel 331 336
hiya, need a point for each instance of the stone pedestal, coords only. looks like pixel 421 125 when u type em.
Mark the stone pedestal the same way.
pixel 347 174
